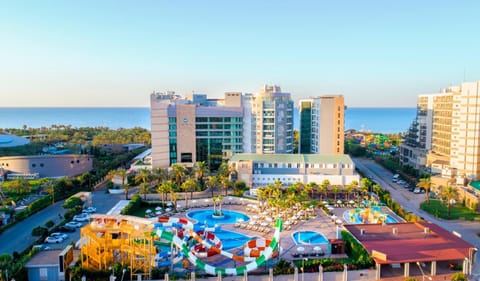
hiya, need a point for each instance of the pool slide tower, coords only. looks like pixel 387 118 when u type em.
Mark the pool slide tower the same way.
pixel 129 240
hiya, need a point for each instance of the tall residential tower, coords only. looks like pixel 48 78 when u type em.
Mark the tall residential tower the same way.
pixel 322 125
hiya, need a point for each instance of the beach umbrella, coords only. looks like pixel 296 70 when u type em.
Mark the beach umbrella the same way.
pixel 351 202
pixel 339 201
pixel 334 217
pixel 317 248
pixel 324 202
pixel 148 211
pixel 300 249
pixel 169 204
pixel 330 208
pixel 158 208
pixel 338 221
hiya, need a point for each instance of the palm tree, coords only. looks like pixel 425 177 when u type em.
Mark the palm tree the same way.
pixel 348 191
pixel 144 190
pixel 160 175
pixel 324 187
pixel 217 200
pixel 211 183
pixel 126 188
pixel 335 190
pixel 123 174
pixel 426 184
pixel 143 176
pixel 186 186
pixel 201 170
pixel 224 183
pixel 178 172
pixel 354 185
pixel 110 175
pixel 367 183
pixel 312 187
pixel 165 188
pixel 449 193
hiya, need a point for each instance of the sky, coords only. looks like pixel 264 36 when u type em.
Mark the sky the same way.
pixel 115 53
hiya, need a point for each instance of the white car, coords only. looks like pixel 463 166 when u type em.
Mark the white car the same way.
pixel 58 234
pixel 51 239
pixel 73 224
pixel 89 210
pixel 416 190
pixel 81 217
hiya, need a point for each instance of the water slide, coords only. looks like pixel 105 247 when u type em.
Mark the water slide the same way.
pixel 254 262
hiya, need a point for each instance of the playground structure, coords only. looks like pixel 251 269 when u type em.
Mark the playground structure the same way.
pixel 369 215
pixel 131 241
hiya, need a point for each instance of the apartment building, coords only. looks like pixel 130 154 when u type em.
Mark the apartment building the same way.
pixel 272 111
pixel 448 126
pixel 322 125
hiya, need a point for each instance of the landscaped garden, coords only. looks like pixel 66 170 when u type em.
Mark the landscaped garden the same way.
pixel 457 211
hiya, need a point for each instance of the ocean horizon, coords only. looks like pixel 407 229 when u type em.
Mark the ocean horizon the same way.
pixel 375 119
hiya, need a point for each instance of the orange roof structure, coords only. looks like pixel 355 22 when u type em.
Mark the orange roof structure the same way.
pixel 409 242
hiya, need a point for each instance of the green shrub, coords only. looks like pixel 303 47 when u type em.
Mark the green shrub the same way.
pixel 49 223
pixel 134 204
pixel 39 231
pixel 459 277
pixel 20 216
pixel 40 204
pixel 72 202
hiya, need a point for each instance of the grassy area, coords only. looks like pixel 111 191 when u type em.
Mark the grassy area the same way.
pixel 436 208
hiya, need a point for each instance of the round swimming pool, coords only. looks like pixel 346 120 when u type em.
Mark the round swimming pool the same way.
pixel 308 237
pixel 206 217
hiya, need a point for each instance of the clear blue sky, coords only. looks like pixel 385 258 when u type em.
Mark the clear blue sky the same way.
pixel 115 53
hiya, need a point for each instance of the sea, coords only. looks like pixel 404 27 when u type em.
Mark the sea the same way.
pixel 378 120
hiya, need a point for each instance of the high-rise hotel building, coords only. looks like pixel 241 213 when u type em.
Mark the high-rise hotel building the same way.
pixel 195 128
pixel 448 126
pixel 322 125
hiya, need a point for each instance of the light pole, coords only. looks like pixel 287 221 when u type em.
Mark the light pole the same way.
pixel 123 273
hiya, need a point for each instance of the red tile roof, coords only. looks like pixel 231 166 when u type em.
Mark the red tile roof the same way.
pixel 409 242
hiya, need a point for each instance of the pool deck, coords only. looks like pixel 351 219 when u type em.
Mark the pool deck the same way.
pixel 320 222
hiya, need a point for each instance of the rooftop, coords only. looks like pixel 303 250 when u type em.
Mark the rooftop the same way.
pixel 409 242
pixel 292 158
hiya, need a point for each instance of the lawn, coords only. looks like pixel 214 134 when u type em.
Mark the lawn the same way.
pixel 438 209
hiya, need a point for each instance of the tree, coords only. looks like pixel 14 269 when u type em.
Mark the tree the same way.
pixel 224 183
pixel 72 202
pixel 211 183
pixel 110 175
pixel 126 188
pixel 144 189
pixel 459 276
pixel 186 186
pixel 123 174
pixel 449 193
pixel 160 175
pixel 143 176
pixel 324 187
pixel 426 184
pixel 201 170
pixel 178 172
pixel 164 188
pixel 335 190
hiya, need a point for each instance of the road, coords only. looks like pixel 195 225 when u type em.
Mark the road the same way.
pixel 19 237
pixel 411 202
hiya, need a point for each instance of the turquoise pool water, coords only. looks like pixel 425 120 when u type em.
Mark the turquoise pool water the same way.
pixel 206 217
pixel 229 239
pixel 375 215
pixel 308 237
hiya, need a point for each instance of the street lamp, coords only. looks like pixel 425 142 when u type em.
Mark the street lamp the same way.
pixel 423 274
pixel 303 268
pixel 123 273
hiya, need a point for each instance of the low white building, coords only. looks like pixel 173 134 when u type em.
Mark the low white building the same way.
pixel 258 170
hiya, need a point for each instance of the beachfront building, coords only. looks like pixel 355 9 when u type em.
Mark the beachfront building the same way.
pixel 272 111
pixel 418 141
pixel 195 128
pixel 258 170
pixel 187 130
pixel 322 127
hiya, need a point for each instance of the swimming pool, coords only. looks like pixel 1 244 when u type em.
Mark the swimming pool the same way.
pixel 367 215
pixel 206 217
pixel 308 237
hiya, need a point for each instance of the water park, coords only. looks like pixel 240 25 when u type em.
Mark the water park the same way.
pixel 175 242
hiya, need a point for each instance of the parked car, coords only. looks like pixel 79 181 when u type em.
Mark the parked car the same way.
pixel 66 228
pixel 81 217
pixel 51 239
pixel 40 247
pixel 89 210
pixel 416 190
pixel 58 234
pixel 74 224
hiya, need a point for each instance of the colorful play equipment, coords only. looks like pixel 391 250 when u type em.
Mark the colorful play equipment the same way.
pixel 132 241
pixel 370 215
pixel 256 247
